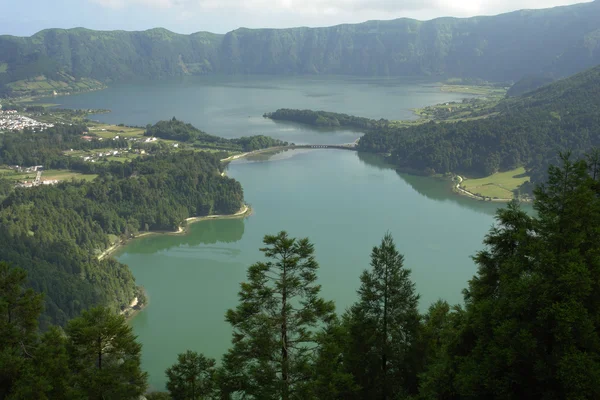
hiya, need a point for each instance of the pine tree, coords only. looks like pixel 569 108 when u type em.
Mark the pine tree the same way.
pixel 105 356
pixel 19 312
pixel 439 333
pixel 192 377
pixel 45 374
pixel 533 308
pixel 331 379
pixel 276 323
pixel 384 327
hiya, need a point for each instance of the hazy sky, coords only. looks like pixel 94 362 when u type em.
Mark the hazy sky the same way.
pixel 25 17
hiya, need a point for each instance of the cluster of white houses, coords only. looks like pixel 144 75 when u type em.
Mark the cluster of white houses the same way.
pixel 10 120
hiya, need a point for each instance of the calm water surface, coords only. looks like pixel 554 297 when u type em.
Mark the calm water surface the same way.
pixel 343 201
pixel 233 106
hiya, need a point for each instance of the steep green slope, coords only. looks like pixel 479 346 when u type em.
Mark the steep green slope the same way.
pixel 56 233
pixel 558 41
pixel 528 130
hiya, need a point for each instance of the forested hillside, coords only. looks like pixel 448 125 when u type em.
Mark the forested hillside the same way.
pixel 56 233
pixel 559 41
pixel 528 131
pixel 175 129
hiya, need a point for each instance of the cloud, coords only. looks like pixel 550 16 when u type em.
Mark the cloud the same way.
pixel 356 8
pixel 117 4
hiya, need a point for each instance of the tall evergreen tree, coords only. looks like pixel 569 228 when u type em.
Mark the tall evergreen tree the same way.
pixel 439 340
pixel 331 379
pixel 105 356
pixel 19 312
pixel 384 327
pixel 533 310
pixel 45 373
pixel 276 323
pixel 192 377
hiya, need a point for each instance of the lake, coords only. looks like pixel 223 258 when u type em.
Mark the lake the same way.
pixel 342 200
pixel 233 106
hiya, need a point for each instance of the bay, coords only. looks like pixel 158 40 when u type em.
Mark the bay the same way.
pixel 342 200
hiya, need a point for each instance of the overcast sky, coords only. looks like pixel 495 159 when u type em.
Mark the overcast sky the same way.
pixel 25 17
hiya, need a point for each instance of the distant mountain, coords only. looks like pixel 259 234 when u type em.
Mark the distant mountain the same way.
pixel 559 41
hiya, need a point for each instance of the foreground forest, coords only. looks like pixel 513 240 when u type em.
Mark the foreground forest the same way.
pixel 559 42
pixel 56 233
pixel 528 328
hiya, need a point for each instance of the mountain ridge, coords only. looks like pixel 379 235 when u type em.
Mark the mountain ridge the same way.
pixel 557 41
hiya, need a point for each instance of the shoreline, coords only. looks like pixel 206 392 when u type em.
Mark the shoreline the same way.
pixel 251 153
pixel 245 211
pixel 132 309
pixel 462 192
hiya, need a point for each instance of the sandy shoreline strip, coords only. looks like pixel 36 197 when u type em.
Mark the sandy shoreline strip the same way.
pixel 243 212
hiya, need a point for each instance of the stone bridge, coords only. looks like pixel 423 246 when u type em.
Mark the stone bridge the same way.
pixel 324 146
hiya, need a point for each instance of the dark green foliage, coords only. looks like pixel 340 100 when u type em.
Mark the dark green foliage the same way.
pixel 19 311
pixel 331 380
pixel 383 327
pixel 45 372
pixel 57 232
pixel 177 130
pixel 97 359
pixel 103 351
pixel 528 84
pixel 257 142
pixel 192 377
pixel 506 47
pixel 528 131
pixel 158 396
pixel 174 129
pixel 274 326
pixel 439 341
pixel 325 119
pixel 531 328
pixel 28 148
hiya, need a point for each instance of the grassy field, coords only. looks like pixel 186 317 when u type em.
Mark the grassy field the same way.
pixel 499 185
pixel 51 174
pixel 62 175
pixel 110 131
pixel 477 90
pixel 122 159
pixel 41 85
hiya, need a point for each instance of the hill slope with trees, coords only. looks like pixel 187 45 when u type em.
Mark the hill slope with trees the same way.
pixel 558 41
pixel 529 131
pixel 56 233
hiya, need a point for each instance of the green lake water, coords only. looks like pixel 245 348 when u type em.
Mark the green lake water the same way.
pixel 342 200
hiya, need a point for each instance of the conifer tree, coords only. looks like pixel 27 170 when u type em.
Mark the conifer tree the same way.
pixel 533 309
pixel 19 312
pixel 276 323
pixel 192 377
pixel 105 356
pixel 384 327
